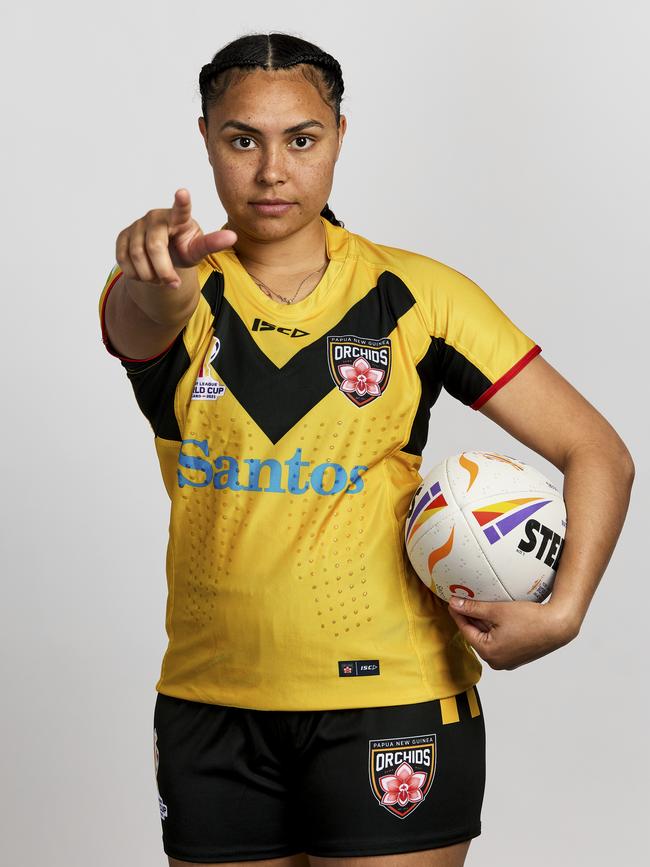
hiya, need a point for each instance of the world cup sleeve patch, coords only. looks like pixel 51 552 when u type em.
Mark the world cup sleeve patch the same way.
pixel 360 366
pixel 207 386
pixel 401 772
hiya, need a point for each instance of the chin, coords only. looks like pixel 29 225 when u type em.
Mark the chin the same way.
pixel 272 227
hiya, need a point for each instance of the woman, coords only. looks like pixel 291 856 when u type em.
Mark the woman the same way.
pixel 317 704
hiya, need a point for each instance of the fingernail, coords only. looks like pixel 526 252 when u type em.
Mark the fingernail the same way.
pixel 457 601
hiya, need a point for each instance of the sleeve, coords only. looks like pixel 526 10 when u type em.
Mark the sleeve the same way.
pixel 476 348
pixel 155 379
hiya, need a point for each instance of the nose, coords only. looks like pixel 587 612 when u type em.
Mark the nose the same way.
pixel 273 165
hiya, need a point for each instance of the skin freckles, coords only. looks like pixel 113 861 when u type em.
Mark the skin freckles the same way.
pixel 271 163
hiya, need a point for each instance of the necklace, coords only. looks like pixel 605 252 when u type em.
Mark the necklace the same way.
pixel 271 294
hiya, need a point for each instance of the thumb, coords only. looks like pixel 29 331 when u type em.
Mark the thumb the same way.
pixel 472 607
pixel 474 612
pixel 202 245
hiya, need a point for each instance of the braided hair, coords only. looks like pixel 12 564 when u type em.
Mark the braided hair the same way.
pixel 272 51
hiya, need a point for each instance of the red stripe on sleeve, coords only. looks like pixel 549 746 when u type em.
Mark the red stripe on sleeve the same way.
pixel 105 339
pixel 507 376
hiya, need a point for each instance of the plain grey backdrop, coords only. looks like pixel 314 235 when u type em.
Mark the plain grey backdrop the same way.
pixel 508 139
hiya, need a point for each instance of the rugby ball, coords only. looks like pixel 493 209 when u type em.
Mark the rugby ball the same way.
pixel 486 526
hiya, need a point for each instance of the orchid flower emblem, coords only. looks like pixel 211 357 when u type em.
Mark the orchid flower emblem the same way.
pixel 361 378
pixel 402 787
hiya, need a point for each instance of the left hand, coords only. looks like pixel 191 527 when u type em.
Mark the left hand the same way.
pixel 510 634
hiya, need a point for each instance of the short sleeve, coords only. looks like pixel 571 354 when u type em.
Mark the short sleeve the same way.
pixel 476 346
pixel 155 379
pixel 470 347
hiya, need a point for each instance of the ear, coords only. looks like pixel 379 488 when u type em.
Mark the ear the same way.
pixel 343 125
pixel 204 132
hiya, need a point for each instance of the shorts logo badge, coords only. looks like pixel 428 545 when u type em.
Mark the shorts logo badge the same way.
pixel 401 772
pixel 360 366
pixel 207 387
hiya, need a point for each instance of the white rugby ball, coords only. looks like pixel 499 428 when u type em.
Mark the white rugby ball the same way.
pixel 486 526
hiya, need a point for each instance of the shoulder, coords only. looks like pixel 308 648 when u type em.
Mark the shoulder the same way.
pixel 430 280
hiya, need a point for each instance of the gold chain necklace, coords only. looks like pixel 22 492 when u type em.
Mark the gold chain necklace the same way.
pixel 270 293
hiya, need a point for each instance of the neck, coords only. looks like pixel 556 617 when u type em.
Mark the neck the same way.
pixel 303 250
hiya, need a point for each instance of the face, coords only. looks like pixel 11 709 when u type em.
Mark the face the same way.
pixel 257 153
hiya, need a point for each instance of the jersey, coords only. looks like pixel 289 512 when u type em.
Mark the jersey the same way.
pixel 290 440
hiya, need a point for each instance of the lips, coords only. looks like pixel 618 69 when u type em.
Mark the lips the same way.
pixel 272 207
pixel 272 202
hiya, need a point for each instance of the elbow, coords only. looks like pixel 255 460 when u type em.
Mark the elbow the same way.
pixel 623 460
pixel 611 446
pixel 627 466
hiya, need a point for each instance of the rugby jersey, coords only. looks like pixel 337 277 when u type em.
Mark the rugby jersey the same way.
pixel 290 440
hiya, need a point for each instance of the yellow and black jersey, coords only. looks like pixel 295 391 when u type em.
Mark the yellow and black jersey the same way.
pixel 290 439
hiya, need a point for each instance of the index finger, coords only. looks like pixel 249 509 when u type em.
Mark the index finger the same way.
pixel 182 207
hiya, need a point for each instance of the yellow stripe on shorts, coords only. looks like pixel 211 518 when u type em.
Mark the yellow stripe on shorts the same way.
pixel 473 701
pixel 449 710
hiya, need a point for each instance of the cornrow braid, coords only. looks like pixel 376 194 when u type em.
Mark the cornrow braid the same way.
pixel 272 51
pixel 328 213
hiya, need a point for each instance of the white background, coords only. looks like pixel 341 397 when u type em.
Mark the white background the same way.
pixel 507 139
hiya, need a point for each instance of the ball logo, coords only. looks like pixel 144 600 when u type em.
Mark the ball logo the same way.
pixel 506 516
pixel 401 771
pixel 549 546
pixel 359 366
pixel 432 502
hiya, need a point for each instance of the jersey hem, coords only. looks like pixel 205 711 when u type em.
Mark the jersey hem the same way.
pixel 411 698
pixel 507 376
pixel 105 339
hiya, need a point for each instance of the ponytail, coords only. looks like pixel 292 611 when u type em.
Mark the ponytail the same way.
pixel 328 213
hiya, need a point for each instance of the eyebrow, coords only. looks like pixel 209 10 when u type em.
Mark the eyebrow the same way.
pixel 244 127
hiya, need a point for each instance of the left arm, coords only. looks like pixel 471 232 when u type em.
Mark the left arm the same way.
pixel 544 412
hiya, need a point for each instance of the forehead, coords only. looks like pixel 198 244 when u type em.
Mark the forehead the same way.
pixel 270 99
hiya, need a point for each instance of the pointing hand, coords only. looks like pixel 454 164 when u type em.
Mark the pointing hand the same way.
pixel 153 247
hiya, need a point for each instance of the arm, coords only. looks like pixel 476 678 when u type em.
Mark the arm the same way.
pixel 544 412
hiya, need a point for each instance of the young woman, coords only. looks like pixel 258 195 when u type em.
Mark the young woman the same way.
pixel 317 704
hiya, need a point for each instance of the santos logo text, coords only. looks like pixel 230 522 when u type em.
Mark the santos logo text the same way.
pixel 292 476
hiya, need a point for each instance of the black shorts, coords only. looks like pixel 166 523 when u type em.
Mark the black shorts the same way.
pixel 239 785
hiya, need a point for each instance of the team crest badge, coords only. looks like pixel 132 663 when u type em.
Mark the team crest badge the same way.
pixel 360 366
pixel 401 772
pixel 207 386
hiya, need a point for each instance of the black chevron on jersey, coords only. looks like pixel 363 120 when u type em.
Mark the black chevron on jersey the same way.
pixel 212 291
pixel 276 398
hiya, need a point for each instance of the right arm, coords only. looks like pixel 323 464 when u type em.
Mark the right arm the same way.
pixel 158 289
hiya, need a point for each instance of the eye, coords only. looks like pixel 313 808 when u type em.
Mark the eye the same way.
pixel 243 138
pixel 304 138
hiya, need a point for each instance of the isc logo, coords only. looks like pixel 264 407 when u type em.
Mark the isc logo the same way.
pixel 262 325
